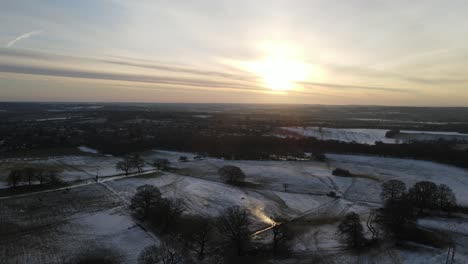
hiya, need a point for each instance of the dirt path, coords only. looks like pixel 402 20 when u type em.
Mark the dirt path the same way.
pixel 87 182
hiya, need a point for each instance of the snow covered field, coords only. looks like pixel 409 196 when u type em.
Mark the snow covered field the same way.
pixel 61 224
pixel 362 136
pixel 371 136
pixel 287 190
pixel 70 168
pixel 408 171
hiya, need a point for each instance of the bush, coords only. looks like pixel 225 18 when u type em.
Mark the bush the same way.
pixel 232 174
pixel 392 133
pixel 342 172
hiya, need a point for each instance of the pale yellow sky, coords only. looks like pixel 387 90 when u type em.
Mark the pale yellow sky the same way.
pixel 307 52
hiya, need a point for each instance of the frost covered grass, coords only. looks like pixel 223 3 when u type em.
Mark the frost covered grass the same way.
pixel 293 191
pixel 371 136
pixel 50 227
pixel 362 136
pixel 69 168
pixel 406 170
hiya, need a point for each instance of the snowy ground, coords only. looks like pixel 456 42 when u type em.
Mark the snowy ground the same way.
pixel 362 136
pixel 371 136
pixel 70 168
pixel 406 170
pixel 284 190
pixel 60 224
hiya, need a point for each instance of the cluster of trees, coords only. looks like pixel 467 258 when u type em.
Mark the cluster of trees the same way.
pixel 423 195
pixel 229 232
pixel 149 204
pixel 32 175
pixel 401 209
pixel 133 162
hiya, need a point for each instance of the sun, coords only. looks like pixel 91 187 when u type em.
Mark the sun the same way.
pixel 279 69
pixel 279 73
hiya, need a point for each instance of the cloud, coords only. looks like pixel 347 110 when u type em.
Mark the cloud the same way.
pixel 153 79
pixel 24 36
pixel 359 87
pixel 181 76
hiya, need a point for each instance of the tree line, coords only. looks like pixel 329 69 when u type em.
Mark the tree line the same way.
pixel 32 176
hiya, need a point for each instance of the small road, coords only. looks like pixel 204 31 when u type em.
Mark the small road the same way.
pixel 87 182
pixel 302 215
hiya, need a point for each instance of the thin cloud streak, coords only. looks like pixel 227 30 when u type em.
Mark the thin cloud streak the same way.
pixel 232 82
pixel 154 79
pixel 345 86
pixel 24 36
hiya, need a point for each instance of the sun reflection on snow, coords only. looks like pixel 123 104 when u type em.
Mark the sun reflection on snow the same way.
pixel 260 214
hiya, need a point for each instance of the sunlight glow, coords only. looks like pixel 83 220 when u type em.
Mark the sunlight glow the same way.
pixel 279 69
pixel 260 214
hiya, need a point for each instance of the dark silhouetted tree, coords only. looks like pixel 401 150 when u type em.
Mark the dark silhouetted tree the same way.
pixel 424 195
pixel 231 174
pixel 167 213
pixel 14 177
pixel 392 189
pixel 146 198
pixel 28 174
pixel 446 200
pixel 233 224
pixel 161 164
pixel 352 231
pixel 201 236
pixel 280 237
pixel 169 252
pixel 47 176
pixel 396 215
pixel 125 165
pixel 137 162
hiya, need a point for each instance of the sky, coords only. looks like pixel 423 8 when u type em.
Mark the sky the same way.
pixel 357 52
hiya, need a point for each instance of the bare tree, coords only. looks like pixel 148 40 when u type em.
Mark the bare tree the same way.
pixel 169 211
pixel 395 215
pixel 28 174
pixel 280 236
pixel 231 174
pixel 161 164
pixel 125 165
pixel 14 177
pixel 47 176
pixel 446 199
pixel 392 189
pixel 146 198
pixel 203 230
pixel 233 224
pixel 424 195
pixel 169 252
pixel 352 231
pixel 137 162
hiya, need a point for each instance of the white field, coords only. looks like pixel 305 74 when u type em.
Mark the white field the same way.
pixel 62 224
pixel 406 170
pixel 284 190
pixel 371 136
pixel 362 136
